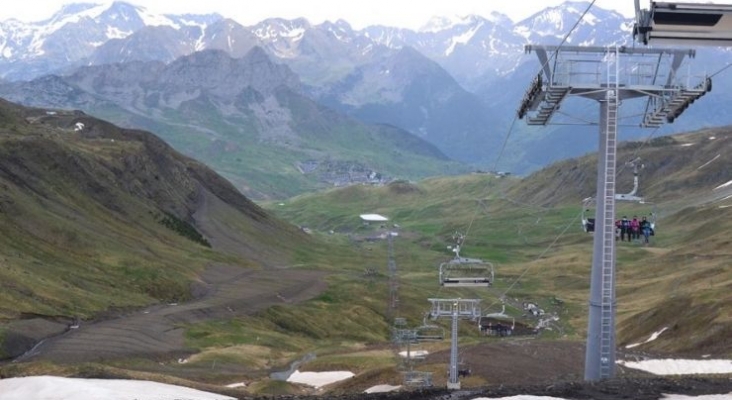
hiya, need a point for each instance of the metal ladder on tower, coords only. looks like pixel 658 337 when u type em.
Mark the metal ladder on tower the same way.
pixel 607 325
pixel 453 382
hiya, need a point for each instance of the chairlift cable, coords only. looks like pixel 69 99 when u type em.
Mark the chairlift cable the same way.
pixel 554 55
pixel 541 68
pixel 530 264
pixel 720 70
pixel 503 147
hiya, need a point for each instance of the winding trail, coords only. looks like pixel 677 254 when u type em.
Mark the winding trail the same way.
pixel 159 331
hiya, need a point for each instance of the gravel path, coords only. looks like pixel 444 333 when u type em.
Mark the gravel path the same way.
pixel 157 331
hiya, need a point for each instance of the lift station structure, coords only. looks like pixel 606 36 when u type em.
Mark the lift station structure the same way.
pixel 608 75
pixel 698 24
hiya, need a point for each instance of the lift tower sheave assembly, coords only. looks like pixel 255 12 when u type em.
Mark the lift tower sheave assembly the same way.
pixel 608 75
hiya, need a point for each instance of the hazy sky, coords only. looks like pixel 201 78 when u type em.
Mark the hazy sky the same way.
pixel 359 13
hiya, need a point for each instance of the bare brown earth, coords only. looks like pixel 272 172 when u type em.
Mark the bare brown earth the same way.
pixel 499 368
pixel 526 366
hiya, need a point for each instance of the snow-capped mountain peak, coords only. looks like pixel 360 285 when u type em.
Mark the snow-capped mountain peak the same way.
pixel 438 24
pixel 77 30
pixel 596 26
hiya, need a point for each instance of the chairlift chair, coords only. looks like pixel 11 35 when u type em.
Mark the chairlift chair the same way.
pixel 632 195
pixel 588 223
pixel 429 332
pixel 466 272
pixel 504 323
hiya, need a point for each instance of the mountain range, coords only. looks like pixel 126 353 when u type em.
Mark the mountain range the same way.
pixel 455 83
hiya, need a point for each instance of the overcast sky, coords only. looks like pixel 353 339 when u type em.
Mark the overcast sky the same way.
pixel 359 13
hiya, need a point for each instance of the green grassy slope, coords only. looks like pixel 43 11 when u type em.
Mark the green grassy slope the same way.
pixel 531 229
pixel 105 219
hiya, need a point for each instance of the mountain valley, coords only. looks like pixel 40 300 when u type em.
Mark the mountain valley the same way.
pixel 193 201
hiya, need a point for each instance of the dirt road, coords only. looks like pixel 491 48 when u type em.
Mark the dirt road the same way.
pixel 158 331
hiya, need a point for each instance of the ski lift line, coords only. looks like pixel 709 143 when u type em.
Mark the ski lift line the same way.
pixel 543 66
pixel 635 153
pixel 470 225
pixel 505 142
pixel 546 250
pixel 564 39
pixel 721 69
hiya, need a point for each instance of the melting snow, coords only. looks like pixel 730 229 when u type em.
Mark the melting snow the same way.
pixel 319 379
pixel 382 389
pixel 681 367
pixel 116 33
pixel 414 353
pixel 653 337
pixel 58 388
pixel 687 144
pixel 665 397
pixel 462 39
pixel 522 397
pixel 723 185
pixel 708 162
pixel 150 19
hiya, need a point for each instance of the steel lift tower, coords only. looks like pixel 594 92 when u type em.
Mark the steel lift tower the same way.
pixel 455 309
pixel 608 75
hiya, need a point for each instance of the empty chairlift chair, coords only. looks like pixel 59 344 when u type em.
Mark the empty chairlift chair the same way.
pixel 588 215
pixel 466 272
pixel 429 332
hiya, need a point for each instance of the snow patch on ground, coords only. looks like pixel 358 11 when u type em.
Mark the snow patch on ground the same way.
pixel 665 397
pixel 723 185
pixel 319 379
pixel 382 389
pixel 522 397
pixel 681 367
pixel 59 388
pixel 708 162
pixel 704 397
pixel 653 337
pixel 414 353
